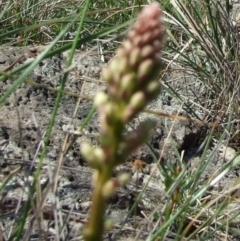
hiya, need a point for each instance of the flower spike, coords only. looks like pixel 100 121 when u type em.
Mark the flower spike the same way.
pixel 131 85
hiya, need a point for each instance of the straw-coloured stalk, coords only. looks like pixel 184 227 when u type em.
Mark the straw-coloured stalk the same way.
pixel 131 86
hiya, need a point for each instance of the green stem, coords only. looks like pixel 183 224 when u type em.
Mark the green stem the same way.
pixel 95 226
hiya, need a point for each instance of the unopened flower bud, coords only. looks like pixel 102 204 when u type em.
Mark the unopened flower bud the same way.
pixel 99 154
pixel 153 89
pixel 109 109
pixel 123 65
pixel 100 99
pixel 128 114
pixel 122 52
pixel 110 188
pixel 114 65
pixel 106 115
pixel 123 179
pixel 128 82
pixel 94 156
pixel 127 45
pixel 147 51
pixel 86 150
pixel 138 100
pixel 135 56
pixel 106 74
pixel 145 68
pixel 147 37
pixel 108 224
pixel 136 103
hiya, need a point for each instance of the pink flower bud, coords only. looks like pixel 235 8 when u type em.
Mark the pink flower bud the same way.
pixel 139 54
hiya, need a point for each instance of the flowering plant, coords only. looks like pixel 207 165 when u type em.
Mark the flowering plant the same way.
pixel 131 86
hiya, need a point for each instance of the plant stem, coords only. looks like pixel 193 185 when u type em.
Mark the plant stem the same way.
pixel 95 227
